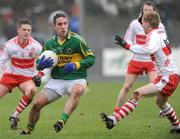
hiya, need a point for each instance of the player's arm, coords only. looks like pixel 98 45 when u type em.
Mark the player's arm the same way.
pixel 4 56
pixel 161 26
pixel 38 49
pixel 150 48
pixel 130 34
pixel 41 64
pixel 85 63
pixel 140 16
pixel 40 74
pixel 89 58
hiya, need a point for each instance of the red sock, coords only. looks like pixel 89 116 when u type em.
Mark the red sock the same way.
pixel 125 110
pixel 171 116
pixel 24 102
pixel 116 110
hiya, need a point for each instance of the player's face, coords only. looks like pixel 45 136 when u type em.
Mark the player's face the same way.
pixel 146 26
pixel 147 8
pixel 61 27
pixel 24 31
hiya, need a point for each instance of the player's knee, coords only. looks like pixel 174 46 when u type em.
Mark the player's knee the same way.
pixel 136 95
pixel 77 91
pixel 33 92
pixel 36 105
pixel 30 92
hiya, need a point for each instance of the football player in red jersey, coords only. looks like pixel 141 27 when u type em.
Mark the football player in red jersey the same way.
pixel 21 52
pixel 165 83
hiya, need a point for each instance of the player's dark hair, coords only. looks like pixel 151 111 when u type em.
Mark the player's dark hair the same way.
pixel 23 21
pixel 60 14
pixel 150 3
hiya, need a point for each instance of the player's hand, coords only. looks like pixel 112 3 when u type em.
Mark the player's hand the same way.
pixel 37 79
pixel 140 16
pixel 120 41
pixel 45 63
pixel 70 67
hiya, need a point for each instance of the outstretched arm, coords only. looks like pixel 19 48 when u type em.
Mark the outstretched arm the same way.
pixel 148 48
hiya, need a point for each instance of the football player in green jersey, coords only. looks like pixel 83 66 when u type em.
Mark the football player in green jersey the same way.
pixel 68 76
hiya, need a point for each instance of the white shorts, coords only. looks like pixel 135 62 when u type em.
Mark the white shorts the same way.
pixel 64 87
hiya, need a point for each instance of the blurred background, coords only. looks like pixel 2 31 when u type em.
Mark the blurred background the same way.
pixel 96 20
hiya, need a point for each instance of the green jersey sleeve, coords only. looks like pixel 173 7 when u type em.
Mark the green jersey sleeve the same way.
pixel 89 58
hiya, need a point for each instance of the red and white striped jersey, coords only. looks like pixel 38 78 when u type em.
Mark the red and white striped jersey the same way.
pixel 4 66
pixel 157 45
pixel 22 59
pixel 135 35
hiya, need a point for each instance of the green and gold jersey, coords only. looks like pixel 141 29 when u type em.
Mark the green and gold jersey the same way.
pixel 72 49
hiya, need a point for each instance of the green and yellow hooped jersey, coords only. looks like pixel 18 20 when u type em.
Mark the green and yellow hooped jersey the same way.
pixel 72 49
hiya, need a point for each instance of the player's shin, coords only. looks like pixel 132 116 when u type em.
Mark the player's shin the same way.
pixel 116 110
pixel 126 109
pixel 170 113
pixel 23 103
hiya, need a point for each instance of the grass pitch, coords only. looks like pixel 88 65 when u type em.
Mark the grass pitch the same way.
pixel 85 123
